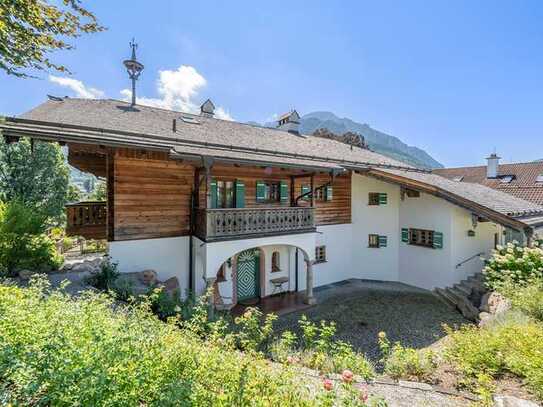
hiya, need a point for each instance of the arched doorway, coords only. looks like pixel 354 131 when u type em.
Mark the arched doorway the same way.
pixel 248 276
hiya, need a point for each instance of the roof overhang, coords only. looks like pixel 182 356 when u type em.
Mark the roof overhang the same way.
pixel 474 207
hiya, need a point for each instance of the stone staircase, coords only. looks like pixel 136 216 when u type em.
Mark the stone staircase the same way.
pixel 464 296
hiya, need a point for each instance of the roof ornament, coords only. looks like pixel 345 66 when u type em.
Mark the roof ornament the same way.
pixel 134 68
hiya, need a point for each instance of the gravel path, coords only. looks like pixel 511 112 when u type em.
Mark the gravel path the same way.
pixel 362 309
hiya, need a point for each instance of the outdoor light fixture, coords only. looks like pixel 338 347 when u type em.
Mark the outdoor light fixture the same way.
pixel 134 68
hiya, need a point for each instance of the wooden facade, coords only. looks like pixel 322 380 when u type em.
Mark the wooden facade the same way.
pixel 150 194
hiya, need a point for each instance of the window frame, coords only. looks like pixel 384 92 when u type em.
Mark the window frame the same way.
pixel 373 244
pixel 320 254
pixel 269 185
pixel 222 197
pixel 421 237
pixel 373 198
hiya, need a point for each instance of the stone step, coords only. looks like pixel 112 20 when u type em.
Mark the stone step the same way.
pixel 465 306
pixel 444 297
pixel 466 288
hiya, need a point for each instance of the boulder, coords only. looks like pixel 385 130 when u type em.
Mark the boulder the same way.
pixel 134 282
pixel 84 267
pixel 484 318
pixel 26 274
pixel 494 303
pixel 510 401
pixel 149 277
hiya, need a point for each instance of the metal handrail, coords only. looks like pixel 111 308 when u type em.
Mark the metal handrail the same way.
pixel 468 259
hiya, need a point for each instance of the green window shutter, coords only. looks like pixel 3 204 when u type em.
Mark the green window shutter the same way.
pixel 240 194
pixel 213 187
pixel 260 191
pixel 405 235
pixel 382 241
pixel 329 193
pixel 283 189
pixel 383 199
pixel 305 189
pixel 438 240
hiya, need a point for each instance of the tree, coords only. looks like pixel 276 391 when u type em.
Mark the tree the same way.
pixel 38 179
pixel 74 193
pixel 31 29
pixel 99 193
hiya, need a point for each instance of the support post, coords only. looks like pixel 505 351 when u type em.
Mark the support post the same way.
pixel 292 191
pixel 309 298
pixel 312 190
pixel 110 185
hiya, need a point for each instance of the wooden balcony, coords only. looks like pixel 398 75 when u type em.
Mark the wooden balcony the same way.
pixel 235 223
pixel 87 219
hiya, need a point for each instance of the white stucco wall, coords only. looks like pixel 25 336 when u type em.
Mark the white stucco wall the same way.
pixel 374 263
pixel 169 257
pixel 284 265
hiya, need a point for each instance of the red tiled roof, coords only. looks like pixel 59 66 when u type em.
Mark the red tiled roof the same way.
pixel 523 185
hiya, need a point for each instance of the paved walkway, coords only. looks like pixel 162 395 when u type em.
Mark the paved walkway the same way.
pixel 362 309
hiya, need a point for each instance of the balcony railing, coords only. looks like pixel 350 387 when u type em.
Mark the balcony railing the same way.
pixel 248 222
pixel 87 219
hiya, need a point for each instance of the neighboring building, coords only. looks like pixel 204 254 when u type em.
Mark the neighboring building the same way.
pixel 522 180
pixel 253 211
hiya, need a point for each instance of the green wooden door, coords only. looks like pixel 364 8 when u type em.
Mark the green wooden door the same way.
pixel 248 276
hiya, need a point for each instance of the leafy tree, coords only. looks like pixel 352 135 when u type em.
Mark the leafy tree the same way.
pixel 99 193
pixel 38 179
pixel 31 29
pixel 74 193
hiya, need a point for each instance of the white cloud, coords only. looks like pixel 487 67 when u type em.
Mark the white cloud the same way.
pixel 177 90
pixel 78 87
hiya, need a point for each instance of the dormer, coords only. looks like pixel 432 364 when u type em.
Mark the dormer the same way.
pixel 289 122
pixel 207 109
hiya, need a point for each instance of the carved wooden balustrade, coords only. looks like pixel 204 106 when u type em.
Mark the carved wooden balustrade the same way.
pixel 240 222
pixel 87 219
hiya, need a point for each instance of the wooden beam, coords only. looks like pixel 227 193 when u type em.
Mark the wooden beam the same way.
pixel 312 190
pixel 110 184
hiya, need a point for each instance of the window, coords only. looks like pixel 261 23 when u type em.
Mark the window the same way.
pixel 421 237
pixel 506 179
pixel 377 241
pixel 324 193
pixel 275 266
pixel 225 194
pixel 270 191
pixel 411 193
pixel 373 241
pixel 320 254
pixel 377 198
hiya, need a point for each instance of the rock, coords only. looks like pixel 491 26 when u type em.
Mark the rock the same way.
pixel 83 267
pixel 171 285
pixel 26 274
pixel 510 401
pixel 484 318
pixel 415 385
pixel 149 277
pixel 494 303
pixel 132 281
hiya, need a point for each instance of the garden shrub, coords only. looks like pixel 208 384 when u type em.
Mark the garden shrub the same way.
pixel 513 263
pixel 513 343
pixel 406 363
pixel 57 350
pixel 23 241
pixel 527 298
pixel 105 279
pixel 254 332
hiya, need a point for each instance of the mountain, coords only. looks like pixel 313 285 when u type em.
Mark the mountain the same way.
pixel 378 141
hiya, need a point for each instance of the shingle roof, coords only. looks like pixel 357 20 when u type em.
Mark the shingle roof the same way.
pixel 117 115
pixel 116 122
pixel 523 185
pixel 490 198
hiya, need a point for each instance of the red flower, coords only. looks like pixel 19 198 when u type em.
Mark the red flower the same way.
pixel 328 384
pixel 347 376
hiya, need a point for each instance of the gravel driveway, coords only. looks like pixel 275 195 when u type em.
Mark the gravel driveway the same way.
pixel 362 309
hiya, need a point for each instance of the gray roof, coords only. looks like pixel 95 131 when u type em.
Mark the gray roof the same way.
pixel 238 137
pixel 117 123
pixel 488 197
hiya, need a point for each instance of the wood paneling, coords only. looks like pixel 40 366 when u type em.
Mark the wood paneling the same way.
pixel 151 195
pixel 88 158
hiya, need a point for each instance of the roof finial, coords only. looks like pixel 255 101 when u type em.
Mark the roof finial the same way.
pixel 134 68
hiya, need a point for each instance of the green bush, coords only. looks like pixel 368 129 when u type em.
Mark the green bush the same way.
pixel 511 344
pixel 105 279
pixel 515 264
pixel 528 298
pixel 406 363
pixel 62 351
pixel 23 242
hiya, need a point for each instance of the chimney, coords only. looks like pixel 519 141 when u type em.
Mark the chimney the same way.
pixel 492 166
pixel 289 122
pixel 207 109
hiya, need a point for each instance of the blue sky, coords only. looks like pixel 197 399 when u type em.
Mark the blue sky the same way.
pixel 457 78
